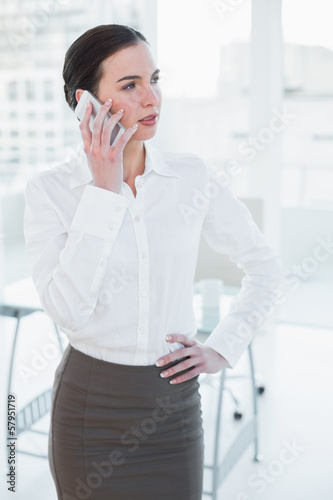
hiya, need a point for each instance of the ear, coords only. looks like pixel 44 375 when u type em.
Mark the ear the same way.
pixel 78 94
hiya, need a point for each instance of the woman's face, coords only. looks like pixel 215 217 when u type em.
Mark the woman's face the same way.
pixel 130 78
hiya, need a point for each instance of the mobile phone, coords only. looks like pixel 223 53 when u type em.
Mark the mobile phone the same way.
pixel 79 111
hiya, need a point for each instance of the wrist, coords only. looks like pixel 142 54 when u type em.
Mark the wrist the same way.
pixel 107 186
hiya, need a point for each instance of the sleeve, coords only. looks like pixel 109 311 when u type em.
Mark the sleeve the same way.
pixel 68 266
pixel 228 228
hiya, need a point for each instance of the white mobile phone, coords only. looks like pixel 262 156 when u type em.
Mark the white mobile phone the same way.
pixel 79 111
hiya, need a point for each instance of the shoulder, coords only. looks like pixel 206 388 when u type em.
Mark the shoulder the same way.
pixel 187 165
pixel 51 179
pixel 197 175
pixel 182 160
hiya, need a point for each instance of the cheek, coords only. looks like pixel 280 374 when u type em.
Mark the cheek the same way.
pixel 129 117
pixel 132 107
pixel 129 104
pixel 128 111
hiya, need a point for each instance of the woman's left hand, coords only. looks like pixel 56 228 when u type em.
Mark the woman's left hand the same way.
pixel 202 358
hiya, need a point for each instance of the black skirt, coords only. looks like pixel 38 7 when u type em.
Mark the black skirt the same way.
pixel 121 432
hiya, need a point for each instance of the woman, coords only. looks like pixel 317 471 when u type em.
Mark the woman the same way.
pixel 113 242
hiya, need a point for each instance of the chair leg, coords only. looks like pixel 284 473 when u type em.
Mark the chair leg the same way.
pixel 257 457
pixel 217 437
pixel 10 373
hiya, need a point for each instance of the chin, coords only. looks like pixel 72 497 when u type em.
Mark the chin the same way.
pixel 144 135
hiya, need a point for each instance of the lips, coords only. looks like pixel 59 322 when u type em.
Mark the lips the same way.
pixel 149 117
pixel 149 121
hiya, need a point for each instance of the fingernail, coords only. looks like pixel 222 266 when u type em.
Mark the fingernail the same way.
pixel 164 374
pixel 168 337
pixel 120 111
pixel 172 381
pixel 108 101
pixel 160 362
pixel 135 126
pixel 87 104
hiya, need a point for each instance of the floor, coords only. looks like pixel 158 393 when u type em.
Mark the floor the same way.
pixel 295 414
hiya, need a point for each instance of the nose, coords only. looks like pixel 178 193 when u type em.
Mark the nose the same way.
pixel 150 97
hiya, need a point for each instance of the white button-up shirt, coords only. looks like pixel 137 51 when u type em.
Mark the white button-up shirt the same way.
pixel 115 271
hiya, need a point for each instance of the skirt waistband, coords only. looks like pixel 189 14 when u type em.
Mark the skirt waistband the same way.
pixel 83 372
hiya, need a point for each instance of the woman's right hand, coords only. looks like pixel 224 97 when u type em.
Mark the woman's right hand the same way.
pixel 105 161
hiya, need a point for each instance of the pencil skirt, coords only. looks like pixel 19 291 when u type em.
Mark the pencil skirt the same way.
pixel 121 432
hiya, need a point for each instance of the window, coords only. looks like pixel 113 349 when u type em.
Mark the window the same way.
pixel 12 91
pixel 48 90
pixel 36 58
pixel 205 85
pixel 29 91
pixel 308 148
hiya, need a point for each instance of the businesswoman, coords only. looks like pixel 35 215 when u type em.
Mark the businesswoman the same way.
pixel 113 241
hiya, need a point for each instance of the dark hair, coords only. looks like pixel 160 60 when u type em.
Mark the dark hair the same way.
pixel 83 60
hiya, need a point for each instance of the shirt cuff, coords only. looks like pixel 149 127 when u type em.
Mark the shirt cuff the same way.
pixel 100 212
pixel 230 338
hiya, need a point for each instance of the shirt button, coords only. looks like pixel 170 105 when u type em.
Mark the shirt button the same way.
pixel 142 255
pixel 117 208
pixel 111 227
pixel 137 218
pixel 143 294
pixel 142 330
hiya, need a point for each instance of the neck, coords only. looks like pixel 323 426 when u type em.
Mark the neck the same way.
pixel 133 159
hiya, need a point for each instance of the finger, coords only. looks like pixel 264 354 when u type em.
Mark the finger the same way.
pixel 180 337
pixel 186 376
pixel 124 138
pixel 108 128
pixel 179 367
pixel 84 128
pixel 178 354
pixel 99 121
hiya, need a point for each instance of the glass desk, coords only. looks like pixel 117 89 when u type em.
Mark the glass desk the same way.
pixel 21 300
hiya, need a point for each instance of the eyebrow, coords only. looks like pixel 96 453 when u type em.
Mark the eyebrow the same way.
pixel 136 77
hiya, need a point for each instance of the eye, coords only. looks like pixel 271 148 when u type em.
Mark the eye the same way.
pixel 129 86
pixel 156 79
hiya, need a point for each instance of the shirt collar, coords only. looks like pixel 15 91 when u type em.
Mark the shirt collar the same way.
pixel 154 161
